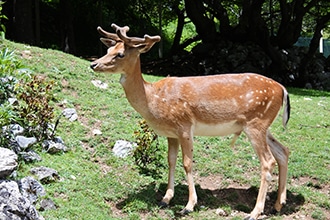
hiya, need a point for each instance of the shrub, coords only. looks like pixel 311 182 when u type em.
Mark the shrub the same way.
pixel 34 106
pixel 2 26
pixel 148 155
pixel 11 70
pixel 30 99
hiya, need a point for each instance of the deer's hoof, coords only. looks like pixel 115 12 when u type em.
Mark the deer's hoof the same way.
pixel 274 211
pixel 185 211
pixel 163 204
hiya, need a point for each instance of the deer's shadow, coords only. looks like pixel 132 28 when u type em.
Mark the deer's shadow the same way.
pixel 239 199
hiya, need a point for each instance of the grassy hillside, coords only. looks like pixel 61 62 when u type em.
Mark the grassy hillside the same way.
pixel 96 185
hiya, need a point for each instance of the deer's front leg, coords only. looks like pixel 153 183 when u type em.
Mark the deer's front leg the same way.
pixel 187 156
pixel 173 148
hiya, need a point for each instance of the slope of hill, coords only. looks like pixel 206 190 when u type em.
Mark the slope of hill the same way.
pixel 94 184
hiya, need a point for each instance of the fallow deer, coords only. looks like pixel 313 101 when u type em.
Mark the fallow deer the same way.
pixel 180 108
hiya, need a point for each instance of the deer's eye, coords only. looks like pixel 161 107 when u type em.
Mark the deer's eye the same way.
pixel 120 55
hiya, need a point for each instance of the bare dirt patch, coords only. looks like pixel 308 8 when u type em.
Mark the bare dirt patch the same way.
pixel 241 198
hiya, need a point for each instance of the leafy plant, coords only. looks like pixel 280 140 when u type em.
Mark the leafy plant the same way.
pixel 34 106
pixel 2 26
pixel 11 70
pixel 148 155
pixel 7 116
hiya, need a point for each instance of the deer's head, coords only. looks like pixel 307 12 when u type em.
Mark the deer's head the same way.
pixel 123 51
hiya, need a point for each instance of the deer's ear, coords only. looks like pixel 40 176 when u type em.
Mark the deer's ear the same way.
pixel 108 42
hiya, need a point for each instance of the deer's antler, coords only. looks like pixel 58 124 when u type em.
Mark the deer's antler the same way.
pixel 109 35
pixel 145 43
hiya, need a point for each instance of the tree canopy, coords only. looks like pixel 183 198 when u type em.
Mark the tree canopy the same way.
pixel 272 25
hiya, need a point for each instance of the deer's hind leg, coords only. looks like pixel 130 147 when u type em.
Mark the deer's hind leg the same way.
pixel 257 136
pixel 281 154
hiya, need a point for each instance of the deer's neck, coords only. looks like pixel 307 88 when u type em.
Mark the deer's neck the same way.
pixel 135 89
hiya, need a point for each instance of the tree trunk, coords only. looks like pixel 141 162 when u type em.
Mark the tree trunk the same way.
pixel 205 27
pixel 178 33
pixel 292 16
pixel 37 21
pixel 313 46
pixel 67 31
pixel 23 22
pixel 221 14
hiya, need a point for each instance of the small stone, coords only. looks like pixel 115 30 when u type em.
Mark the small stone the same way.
pixel 15 129
pixel 96 132
pixel 45 174
pixel 123 148
pixel 30 156
pixel 100 84
pixel 47 204
pixel 70 113
pixel 221 212
pixel 25 142
pixel 54 146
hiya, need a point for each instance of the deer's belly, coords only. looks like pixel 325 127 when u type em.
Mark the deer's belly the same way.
pixel 223 129
pixel 200 129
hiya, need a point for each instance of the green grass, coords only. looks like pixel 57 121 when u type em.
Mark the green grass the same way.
pixel 96 185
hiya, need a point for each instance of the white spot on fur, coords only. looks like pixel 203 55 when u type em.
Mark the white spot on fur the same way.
pixel 267 107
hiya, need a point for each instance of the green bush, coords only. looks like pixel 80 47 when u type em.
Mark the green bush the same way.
pixel 34 106
pixel 30 96
pixel 148 155
pixel 11 70
pixel 2 26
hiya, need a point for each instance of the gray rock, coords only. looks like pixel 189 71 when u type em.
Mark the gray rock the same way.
pixel 30 156
pixel 58 139
pixel 100 84
pixel 8 162
pixel 12 101
pixel 70 113
pixel 122 148
pixel 31 189
pixel 14 129
pixel 54 146
pixel 25 142
pixel 96 132
pixel 47 204
pixel 45 174
pixel 14 206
